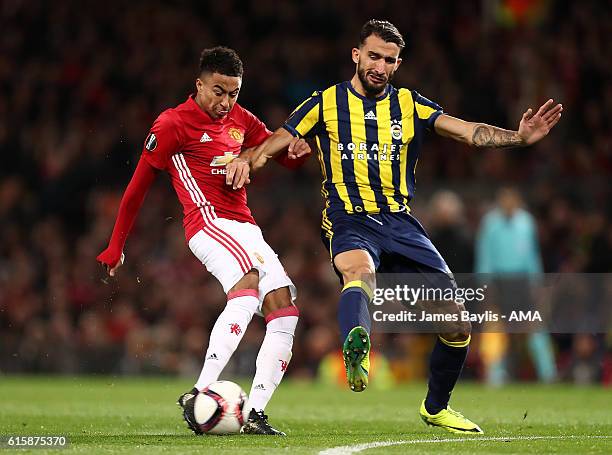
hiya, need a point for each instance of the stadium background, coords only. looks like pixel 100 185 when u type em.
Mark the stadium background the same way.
pixel 82 81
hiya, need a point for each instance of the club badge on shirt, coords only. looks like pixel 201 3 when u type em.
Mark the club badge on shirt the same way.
pixel 396 130
pixel 236 135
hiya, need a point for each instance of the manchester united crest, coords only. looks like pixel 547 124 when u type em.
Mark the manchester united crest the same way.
pixel 236 135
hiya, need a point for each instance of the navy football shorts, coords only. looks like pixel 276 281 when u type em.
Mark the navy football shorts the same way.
pixel 396 242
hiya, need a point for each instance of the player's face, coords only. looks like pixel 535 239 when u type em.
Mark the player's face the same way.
pixel 376 62
pixel 217 93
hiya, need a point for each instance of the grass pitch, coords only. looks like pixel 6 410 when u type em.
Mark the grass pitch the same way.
pixel 117 415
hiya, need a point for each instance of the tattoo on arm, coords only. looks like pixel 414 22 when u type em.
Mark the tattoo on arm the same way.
pixel 491 136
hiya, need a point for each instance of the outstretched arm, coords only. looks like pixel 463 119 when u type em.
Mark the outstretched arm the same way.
pixel 275 145
pixel 532 128
pixel 144 175
pixel 256 157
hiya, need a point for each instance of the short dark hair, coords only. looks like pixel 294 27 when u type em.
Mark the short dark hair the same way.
pixel 384 30
pixel 222 60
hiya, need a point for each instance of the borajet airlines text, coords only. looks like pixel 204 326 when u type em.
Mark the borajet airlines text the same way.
pixel 361 151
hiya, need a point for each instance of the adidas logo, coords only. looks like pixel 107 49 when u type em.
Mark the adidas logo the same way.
pixel 213 356
pixel 185 398
pixel 370 115
pixel 205 138
pixel 259 387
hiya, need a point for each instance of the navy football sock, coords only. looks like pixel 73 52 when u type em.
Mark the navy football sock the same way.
pixel 445 365
pixel 353 307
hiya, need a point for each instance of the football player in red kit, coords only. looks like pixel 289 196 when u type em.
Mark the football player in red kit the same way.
pixel 193 143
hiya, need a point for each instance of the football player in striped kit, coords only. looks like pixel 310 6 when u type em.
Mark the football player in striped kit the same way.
pixel 368 136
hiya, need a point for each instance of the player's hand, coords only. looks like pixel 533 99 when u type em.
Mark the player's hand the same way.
pixel 110 261
pixel 534 127
pixel 298 148
pixel 237 173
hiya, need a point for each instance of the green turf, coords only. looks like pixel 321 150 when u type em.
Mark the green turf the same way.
pixel 116 415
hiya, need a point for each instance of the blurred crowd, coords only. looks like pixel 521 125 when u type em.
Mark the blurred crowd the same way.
pixel 82 81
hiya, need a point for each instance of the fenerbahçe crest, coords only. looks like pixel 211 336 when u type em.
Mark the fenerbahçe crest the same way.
pixel 396 130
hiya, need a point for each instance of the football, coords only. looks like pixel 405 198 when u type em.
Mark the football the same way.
pixel 220 408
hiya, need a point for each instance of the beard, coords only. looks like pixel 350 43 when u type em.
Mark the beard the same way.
pixel 373 89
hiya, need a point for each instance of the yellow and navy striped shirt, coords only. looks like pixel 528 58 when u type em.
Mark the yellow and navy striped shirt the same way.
pixel 368 148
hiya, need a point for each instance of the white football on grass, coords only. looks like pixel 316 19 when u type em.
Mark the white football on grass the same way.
pixel 220 408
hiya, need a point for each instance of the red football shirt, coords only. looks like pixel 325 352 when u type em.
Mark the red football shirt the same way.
pixel 194 149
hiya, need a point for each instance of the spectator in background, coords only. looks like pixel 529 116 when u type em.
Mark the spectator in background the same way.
pixel 449 231
pixel 507 247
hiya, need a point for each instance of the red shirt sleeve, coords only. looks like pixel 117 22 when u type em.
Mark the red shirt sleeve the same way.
pixel 256 131
pixel 163 140
pixel 132 199
pixel 284 160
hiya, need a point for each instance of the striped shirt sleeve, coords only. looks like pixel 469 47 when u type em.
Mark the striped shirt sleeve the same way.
pixel 306 118
pixel 427 110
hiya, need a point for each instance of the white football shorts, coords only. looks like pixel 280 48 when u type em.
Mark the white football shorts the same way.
pixel 229 249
